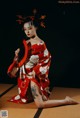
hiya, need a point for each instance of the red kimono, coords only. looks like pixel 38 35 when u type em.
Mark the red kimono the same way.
pixel 38 61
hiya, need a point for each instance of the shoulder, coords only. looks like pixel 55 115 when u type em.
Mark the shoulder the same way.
pixel 27 41
pixel 40 40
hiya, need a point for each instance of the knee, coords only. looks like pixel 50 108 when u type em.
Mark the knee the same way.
pixel 39 104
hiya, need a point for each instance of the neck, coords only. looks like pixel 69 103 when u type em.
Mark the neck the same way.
pixel 33 37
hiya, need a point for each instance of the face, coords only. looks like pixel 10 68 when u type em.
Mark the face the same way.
pixel 29 29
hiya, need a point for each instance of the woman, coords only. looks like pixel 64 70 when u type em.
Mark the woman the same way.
pixel 33 82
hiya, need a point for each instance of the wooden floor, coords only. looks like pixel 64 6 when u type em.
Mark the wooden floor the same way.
pixel 30 110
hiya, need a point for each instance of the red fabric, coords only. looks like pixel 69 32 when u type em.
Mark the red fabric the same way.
pixel 13 64
pixel 23 85
pixel 39 59
pixel 25 54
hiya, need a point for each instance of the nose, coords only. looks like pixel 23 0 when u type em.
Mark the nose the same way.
pixel 27 32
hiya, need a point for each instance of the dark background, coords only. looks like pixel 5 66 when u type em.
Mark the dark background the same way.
pixel 62 37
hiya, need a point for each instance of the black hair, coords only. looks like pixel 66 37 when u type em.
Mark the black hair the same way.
pixel 33 21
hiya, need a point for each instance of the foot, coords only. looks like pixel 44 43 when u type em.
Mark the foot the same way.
pixel 71 101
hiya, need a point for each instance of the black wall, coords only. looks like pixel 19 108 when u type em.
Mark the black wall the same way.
pixel 62 37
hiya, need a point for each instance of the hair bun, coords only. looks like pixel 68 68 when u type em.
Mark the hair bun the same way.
pixel 33 17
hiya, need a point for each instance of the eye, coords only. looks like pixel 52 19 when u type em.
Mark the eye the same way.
pixel 30 28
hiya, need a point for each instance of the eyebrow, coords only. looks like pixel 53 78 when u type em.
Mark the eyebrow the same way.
pixel 27 27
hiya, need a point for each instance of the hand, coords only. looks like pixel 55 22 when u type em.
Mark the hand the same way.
pixel 16 54
pixel 13 72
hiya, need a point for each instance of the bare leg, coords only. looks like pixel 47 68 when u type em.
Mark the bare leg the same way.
pixel 53 103
pixel 49 103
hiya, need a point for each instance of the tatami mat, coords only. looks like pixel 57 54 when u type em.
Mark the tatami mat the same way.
pixel 4 87
pixel 29 110
pixel 17 110
pixel 70 111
